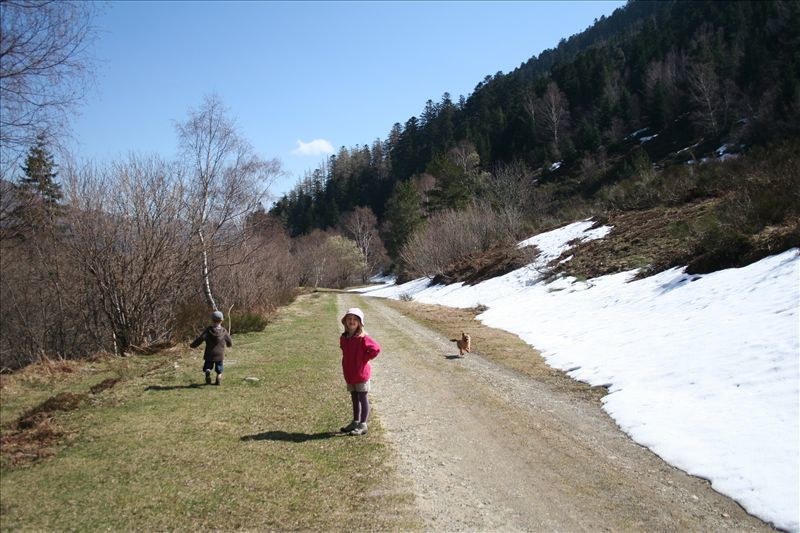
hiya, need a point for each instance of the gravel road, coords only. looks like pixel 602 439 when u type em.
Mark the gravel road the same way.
pixel 488 449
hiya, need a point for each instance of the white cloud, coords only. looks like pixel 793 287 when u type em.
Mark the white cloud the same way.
pixel 315 147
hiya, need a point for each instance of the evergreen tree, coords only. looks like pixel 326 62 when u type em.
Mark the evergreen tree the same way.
pixel 456 184
pixel 38 191
pixel 403 217
pixel 39 176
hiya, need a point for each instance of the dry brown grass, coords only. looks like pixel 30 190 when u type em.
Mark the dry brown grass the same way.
pixel 652 239
pixel 496 345
pixel 36 434
pixel 497 261
pixel 23 447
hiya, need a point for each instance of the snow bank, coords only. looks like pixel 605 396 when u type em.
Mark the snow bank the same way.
pixel 703 370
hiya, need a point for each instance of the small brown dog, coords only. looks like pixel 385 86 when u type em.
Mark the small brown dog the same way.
pixel 464 344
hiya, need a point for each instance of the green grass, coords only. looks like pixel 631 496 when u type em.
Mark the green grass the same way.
pixel 160 451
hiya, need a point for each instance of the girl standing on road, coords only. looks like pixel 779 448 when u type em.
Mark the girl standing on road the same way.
pixel 357 351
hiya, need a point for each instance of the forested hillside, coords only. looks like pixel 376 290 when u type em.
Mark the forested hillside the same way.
pixel 627 115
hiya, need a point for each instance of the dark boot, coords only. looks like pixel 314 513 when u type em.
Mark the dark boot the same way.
pixel 208 378
pixel 360 429
pixel 349 427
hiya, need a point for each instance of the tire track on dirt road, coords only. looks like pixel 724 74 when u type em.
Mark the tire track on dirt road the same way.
pixel 487 448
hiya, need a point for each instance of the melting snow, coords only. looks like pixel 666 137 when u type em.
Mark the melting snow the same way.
pixel 703 369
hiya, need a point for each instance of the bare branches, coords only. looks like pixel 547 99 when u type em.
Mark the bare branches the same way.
pixel 44 69
pixel 361 225
pixel 451 235
pixel 510 185
pixel 553 113
pixel 129 243
pixel 227 180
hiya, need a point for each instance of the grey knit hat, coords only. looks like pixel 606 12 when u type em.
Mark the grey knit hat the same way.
pixel 217 316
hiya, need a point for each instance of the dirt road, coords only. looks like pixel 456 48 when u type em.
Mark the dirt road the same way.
pixel 488 449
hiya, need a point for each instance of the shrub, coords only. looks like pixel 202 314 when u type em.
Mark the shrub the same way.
pixel 720 246
pixel 247 322
pixel 190 319
pixel 450 235
pixel 193 317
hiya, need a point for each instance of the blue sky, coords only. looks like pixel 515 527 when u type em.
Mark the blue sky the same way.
pixel 340 73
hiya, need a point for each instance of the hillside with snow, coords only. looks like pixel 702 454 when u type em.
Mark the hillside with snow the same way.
pixel 701 369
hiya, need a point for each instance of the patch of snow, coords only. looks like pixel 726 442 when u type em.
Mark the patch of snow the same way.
pixel 383 278
pixel 648 138
pixel 703 370
pixel 695 145
pixel 556 165
pixel 637 133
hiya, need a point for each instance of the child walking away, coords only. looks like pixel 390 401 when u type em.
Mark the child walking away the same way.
pixel 216 338
pixel 357 351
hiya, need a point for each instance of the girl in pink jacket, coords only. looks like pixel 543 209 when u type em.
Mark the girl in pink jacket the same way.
pixel 357 351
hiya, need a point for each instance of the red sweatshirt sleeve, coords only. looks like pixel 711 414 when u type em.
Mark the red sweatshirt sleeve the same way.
pixel 371 347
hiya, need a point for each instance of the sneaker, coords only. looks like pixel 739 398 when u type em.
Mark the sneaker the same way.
pixel 349 427
pixel 208 378
pixel 219 380
pixel 360 429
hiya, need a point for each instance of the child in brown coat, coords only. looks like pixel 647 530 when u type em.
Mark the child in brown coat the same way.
pixel 216 338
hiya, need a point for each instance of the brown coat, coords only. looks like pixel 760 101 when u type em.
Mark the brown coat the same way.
pixel 216 338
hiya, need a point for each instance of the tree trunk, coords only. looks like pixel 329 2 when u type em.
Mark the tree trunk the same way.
pixel 206 278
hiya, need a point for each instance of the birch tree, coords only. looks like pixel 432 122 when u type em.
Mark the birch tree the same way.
pixel 553 113
pixel 361 226
pixel 227 181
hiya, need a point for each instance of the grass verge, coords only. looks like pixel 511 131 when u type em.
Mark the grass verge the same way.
pixel 158 450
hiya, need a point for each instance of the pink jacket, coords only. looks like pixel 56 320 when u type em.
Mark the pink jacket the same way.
pixel 356 355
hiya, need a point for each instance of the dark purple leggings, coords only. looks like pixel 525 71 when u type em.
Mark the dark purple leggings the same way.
pixel 360 406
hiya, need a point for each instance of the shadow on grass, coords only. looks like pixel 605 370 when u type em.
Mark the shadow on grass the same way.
pixel 175 387
pixel 454 357
pixel 290 437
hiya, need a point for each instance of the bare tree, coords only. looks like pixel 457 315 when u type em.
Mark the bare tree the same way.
pixel 311 258
pixel 361 225
pixel 705 95
pixel 264 275
pixel 45 68
pixel 716 100
pixel 424 183
pixel 131 249
pixel 326 259
pixel 8 204
pixel 348 262
pixel 510 185
pixel 465 156
pixel 553 113
pixel 451 235
pixel 227 180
